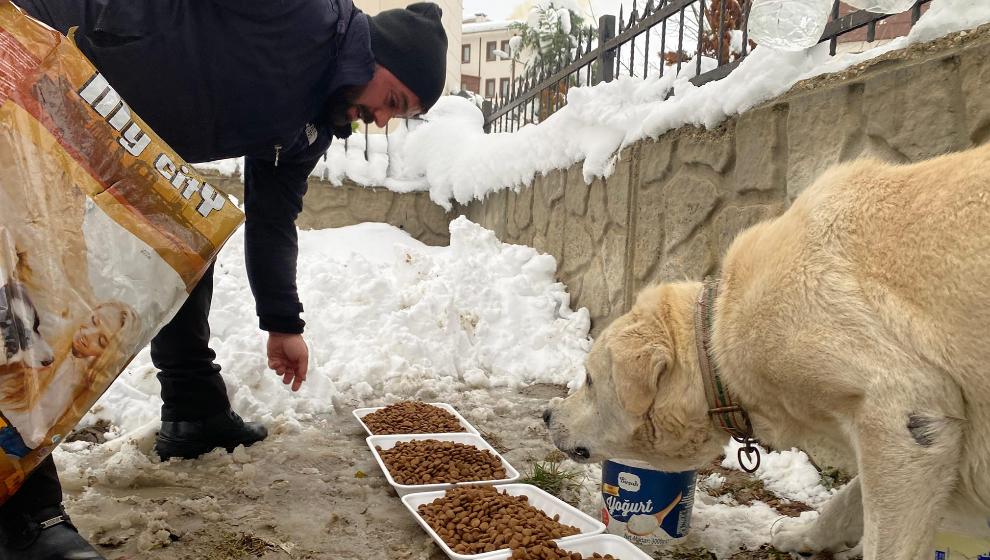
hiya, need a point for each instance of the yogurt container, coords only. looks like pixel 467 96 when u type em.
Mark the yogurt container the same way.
pixel 648 507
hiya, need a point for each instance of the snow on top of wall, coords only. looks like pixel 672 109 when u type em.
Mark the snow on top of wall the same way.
pixel 449 154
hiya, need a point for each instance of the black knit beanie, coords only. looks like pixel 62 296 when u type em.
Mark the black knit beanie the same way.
pixel 412 44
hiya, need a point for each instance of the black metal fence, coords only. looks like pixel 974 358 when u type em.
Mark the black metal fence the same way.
pixel 683 32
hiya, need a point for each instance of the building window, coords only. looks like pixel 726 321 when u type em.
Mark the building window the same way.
pixel 490 47
pixel 503 87
pixel 490 88
pixel 465 54
pixel 471 83
pixel 505 48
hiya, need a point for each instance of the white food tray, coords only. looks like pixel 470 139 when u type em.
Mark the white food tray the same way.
pixel 550 505
pixel 388 442
pixel 360 413
pixel 586 546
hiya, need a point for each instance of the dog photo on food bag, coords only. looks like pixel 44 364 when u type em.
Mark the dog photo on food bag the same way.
pixel 855 326
pixel 19 322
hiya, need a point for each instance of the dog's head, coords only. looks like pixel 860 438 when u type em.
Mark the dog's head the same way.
pixel 643 396
pixel 19 323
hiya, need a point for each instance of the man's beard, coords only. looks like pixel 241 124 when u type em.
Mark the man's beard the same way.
pixel 336 108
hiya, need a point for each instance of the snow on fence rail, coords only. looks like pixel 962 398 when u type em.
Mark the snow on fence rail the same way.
pixel 711 35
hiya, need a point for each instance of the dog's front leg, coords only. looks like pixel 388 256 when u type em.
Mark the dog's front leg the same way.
pixel 838 527
pixel 908 467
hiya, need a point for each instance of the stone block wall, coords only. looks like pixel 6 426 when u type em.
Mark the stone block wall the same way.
pixel 674 205
pixel 327 206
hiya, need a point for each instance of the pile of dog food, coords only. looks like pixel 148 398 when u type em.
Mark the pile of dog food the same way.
pixel 432 462
pixel 477 519
pixel 412 417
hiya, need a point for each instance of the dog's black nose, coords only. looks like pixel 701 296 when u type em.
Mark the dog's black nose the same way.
pixel 582 452
pixel 546 416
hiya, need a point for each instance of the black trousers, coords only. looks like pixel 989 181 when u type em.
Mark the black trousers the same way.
pixel 191 389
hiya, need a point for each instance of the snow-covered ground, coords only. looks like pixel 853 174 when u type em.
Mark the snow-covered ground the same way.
pixel 387 317
pixel 480 324
pixel 450 155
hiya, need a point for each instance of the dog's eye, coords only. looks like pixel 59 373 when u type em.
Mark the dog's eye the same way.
pixel 587 380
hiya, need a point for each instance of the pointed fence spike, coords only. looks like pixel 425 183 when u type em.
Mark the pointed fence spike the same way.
pixel 366 143
pixel 621 7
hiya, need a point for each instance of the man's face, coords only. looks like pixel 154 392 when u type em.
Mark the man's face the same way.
pixel 381 99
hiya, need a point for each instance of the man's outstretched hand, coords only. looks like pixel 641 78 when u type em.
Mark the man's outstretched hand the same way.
pixel 288 355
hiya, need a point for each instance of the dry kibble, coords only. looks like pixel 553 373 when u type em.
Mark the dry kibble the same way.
pixel 551 551
pixel 412 417
pixel 504 521
pixel 434 462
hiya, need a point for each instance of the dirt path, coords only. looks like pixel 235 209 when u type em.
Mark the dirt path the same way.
pixel 310 491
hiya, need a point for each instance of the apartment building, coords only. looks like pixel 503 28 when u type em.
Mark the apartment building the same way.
pixel 482 71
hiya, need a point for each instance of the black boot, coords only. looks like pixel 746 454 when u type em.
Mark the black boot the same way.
pixel 46 534
pixel 192 438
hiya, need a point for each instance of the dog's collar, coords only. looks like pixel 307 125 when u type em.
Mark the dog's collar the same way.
pixel 730 416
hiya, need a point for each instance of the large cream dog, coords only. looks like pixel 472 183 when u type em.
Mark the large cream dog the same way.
pixel 856 326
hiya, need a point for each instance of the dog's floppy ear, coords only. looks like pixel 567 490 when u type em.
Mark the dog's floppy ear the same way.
pixel 639 358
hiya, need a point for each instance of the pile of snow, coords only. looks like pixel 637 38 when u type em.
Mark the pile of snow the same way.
pixel 788 474
pixel 450 155
pixel 387 318
pixel 723 528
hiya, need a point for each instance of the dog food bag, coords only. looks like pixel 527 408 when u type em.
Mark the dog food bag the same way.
pixel 648 507
pixel 103 232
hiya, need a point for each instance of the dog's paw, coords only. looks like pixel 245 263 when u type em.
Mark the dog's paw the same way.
pixel 797 534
